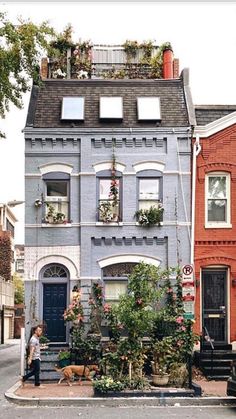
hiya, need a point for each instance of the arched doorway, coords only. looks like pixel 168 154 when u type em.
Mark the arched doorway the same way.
pixel 54 291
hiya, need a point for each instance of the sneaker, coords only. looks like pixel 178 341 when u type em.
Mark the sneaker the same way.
pixel 40 386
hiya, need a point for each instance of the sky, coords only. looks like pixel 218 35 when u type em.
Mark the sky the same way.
pixel 203 37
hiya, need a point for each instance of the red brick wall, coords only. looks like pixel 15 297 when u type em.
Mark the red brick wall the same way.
pixel 216 246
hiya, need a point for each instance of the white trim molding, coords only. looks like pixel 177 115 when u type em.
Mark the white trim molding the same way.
pixel 54 259
pixel 215 126
pixel 55 167
pixel 111 260
pixel 106 165
pixel 149 165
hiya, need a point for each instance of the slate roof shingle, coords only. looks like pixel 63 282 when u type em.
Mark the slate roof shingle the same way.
pixel 45 103
pixel 209 113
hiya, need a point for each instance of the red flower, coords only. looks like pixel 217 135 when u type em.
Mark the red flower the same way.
pixel 179 319
pixel 139 301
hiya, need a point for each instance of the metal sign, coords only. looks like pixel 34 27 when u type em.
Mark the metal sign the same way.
pixel 187 273
pixel 188 291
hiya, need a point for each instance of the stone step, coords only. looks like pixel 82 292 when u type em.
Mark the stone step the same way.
pixel 217 346
pixel 216 354
pixel 215 362
pixel 218 377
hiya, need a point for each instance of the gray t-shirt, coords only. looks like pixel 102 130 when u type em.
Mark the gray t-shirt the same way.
pixel 34 341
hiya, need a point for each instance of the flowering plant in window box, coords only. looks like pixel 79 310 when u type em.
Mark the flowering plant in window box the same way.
pixel 54 217
pixel 151 216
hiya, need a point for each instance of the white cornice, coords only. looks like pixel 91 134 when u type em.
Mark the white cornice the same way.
pixel 213 127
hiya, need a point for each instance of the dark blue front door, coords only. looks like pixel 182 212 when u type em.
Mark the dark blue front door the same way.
pixel 54 304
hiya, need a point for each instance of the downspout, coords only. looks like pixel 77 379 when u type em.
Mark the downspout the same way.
pixel 196 150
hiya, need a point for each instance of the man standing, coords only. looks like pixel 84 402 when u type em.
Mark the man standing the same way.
pixel 34 357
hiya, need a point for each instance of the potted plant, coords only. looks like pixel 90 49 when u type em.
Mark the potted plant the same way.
pixel 64 358
pixel 54 217
pixel 59 217
pixel 43 341
pixel 162 351
pixel 151 216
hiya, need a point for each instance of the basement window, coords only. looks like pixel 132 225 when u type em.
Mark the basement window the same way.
pixel 149 108
pixel 72 108
pixel 111 107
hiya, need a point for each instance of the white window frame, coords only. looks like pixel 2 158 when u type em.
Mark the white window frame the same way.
pixel 153 201
pixel 114 281
pixel 76 116
pixel 148 108
pixel 106 107
pixel 57 200
pixel 218 224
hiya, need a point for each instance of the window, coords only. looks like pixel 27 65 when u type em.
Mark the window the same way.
pixel 149 192
pixel 111 107
pixel 114 289
pixel 109 202
pixel 56 197
pixel 217 200
pixel 116 280
pixel 55 271
pixel 72 108
pixel 148 108
pixel 10 227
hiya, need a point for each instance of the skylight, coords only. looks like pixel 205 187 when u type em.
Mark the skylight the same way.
pixel 72 108
pixel 111 107
pixel 149 108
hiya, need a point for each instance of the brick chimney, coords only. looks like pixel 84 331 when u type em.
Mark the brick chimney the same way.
pixel 168 64
pixel 176 68
pixel 44 68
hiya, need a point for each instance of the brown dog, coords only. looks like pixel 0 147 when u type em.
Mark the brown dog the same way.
pixel 79 370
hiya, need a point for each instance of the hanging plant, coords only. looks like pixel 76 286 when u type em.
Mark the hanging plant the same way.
pixel 114 188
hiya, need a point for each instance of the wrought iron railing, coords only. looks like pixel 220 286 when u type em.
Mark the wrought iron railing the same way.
pixel 207 338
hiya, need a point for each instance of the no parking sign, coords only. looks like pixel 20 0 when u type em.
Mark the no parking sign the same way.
pixel 188 291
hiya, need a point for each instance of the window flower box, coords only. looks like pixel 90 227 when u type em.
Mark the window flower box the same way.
pixel 151 216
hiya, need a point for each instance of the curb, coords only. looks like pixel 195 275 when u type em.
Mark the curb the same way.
pixel 117 401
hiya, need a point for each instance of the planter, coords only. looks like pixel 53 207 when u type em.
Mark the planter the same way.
pixel 64 362
pixel 160 379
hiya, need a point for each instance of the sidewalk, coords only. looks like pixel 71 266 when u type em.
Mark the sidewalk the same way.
pixel 214 393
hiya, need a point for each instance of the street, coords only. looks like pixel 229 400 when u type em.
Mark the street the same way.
pixel 9 373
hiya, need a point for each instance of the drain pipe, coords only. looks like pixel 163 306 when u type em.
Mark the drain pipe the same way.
pixel 196 150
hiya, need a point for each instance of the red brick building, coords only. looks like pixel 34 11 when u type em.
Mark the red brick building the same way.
pixel 214 151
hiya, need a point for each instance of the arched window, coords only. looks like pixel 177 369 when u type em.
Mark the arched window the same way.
pixel 55 271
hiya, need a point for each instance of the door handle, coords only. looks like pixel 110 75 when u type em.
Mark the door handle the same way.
pixel 222 308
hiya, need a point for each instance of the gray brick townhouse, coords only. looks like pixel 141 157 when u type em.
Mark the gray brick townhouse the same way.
pixel 81 135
